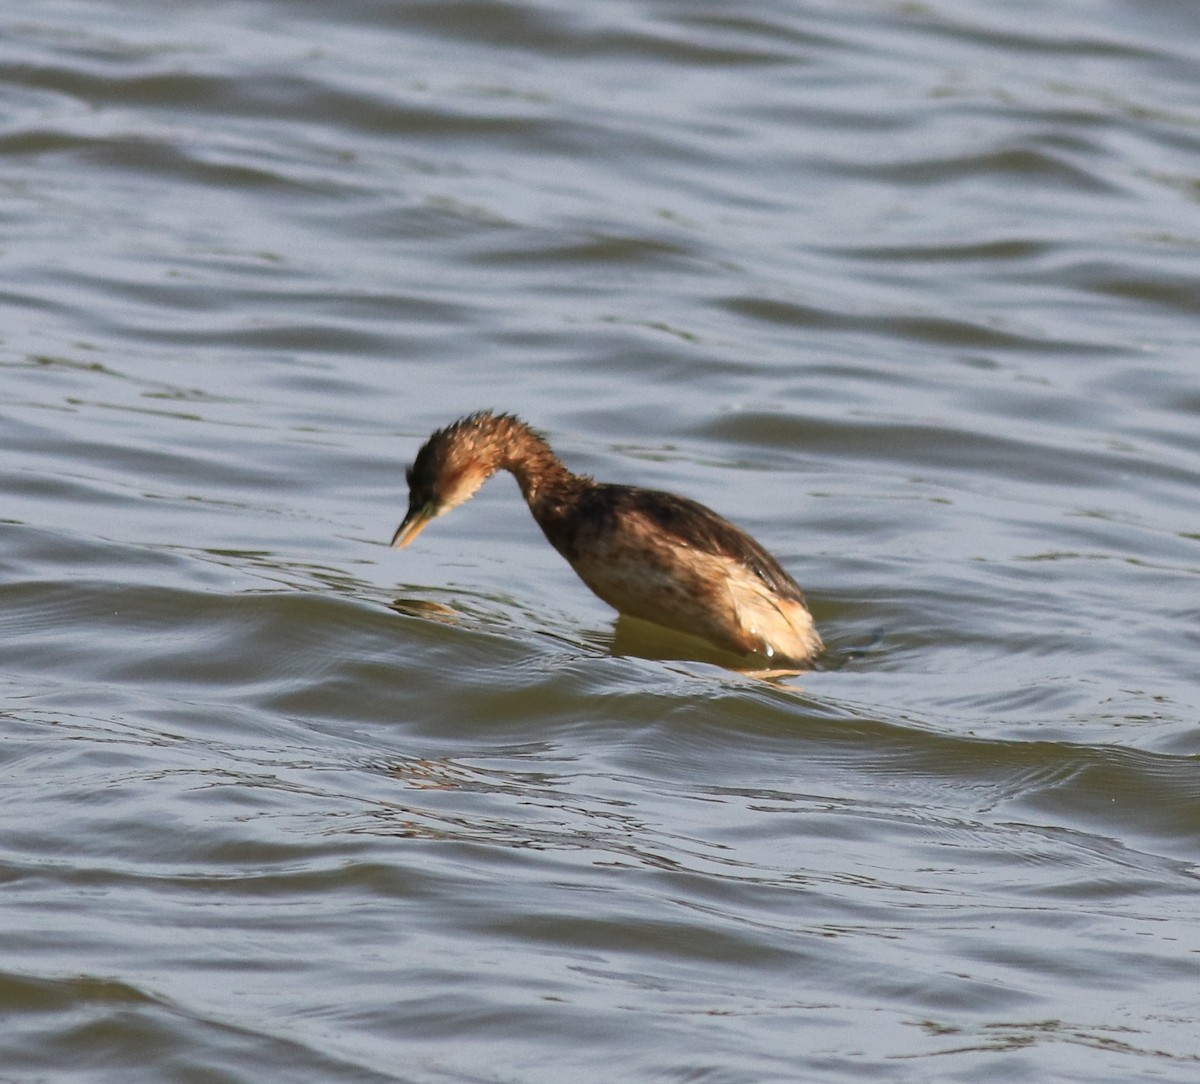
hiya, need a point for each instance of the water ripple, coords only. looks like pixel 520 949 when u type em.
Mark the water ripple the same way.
pixel 908 292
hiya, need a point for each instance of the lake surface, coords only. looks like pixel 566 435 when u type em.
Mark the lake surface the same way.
pixel 910 291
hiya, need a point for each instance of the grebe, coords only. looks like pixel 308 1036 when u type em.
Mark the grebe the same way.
pixel 648 554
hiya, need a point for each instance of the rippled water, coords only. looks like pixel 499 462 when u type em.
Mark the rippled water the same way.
pixel 909 290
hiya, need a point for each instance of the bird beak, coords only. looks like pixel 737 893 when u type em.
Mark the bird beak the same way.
pixel 414 523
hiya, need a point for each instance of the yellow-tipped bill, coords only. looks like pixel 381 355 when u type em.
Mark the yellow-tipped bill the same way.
pixel 414 523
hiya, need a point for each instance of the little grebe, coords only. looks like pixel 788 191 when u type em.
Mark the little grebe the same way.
pixel 648 554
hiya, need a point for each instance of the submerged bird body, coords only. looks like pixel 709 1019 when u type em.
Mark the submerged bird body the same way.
pixel 648 554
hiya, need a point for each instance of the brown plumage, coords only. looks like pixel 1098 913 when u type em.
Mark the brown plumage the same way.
pixel 648 554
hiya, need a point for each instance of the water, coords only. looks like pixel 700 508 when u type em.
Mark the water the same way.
pixel 910 291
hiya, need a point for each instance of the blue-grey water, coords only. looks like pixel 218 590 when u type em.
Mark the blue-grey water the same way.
pixel 909 290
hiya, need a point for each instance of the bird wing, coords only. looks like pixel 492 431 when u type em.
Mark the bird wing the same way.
pixel 700 528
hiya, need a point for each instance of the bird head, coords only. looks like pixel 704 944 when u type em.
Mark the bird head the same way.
pixel 449 469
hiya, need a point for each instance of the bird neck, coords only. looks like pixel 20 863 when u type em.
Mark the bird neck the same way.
pixel 514 447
